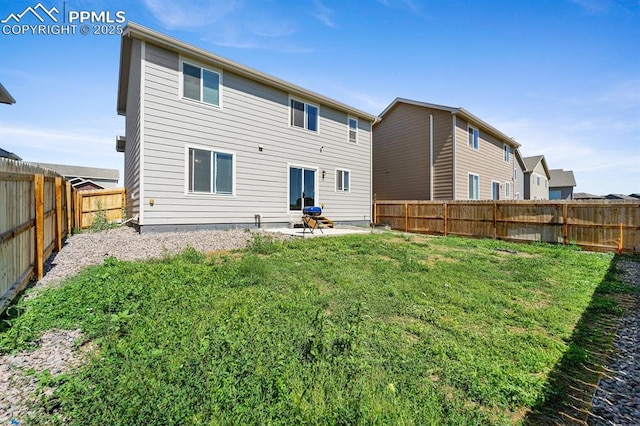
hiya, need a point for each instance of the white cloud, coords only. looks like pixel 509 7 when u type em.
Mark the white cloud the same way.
pixel 190 14
pixel 593 6
pixel 406 5
pixel 323 13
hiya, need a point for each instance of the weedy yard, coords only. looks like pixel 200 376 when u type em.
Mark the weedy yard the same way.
pixel 365 329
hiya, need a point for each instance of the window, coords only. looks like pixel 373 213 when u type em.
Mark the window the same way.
pixel 304 115
pixel 538 180
pixel 353 130
pixel 342 180
pixel 210 172
pixel 200 84
pixel 555 194
pixel 507 189
pixel 515 174
pixel 302 188
pixel 517 195
pixel 495 190
pixel 507 153
pixel 474 135
pixel 474 186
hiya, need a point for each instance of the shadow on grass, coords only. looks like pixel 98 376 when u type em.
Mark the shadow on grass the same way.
pixel 574 379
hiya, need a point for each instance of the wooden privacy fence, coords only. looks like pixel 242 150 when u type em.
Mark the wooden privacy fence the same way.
pixel 38 209
pixel 90 203
pixel 602 225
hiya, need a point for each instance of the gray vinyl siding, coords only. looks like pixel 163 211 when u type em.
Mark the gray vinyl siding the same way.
pixel 518 184
pixel 132 124
pixel 487 162
pixel 401 154
pixel 251 114
pixel 566 192
pixel 535 191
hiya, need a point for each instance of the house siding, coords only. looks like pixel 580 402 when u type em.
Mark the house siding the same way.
pixel 566 192
pixel 251 114
pixel 132 128
pixel 442 155
pixel 518 184
pixel 487 162
pixel 535 191
pixel 401 154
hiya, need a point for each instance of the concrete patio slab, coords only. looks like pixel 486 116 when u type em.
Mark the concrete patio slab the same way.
pixel 326 232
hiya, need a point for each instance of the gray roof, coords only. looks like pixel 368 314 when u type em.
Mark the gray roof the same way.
pixel 5 96
pixel 619 197
pixel 81 171
pixel 561 178
pixel 133 30
pixel 586 196
pixel 531 163
pixel 635 195
pixel 9 155
pixel 455 111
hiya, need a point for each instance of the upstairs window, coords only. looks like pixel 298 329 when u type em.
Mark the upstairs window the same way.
pixel 200 84
pixel 515 174
pixel 304 115
pixel 507 153
pixel 210 172
pixel 474 136
pixel 538 180
pixel 342 180
pixel 353 130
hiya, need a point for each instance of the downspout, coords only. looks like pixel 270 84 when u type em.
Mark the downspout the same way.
pixel 431 157
pixel 454 158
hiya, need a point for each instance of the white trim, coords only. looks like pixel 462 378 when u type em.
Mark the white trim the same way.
pixel 335 186
pixel 202 66
pixel 469 126
pixel 143 70
pixel 492 194
pixel 478 176
pixel 506 148
pixel 316 186
pixel 507 194
pixel 349 118
pixel 233 194
pixel 306 103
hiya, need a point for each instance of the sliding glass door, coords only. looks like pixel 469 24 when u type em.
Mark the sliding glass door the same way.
pixel 302 188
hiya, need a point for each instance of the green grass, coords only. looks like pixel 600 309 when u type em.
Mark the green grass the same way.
pixel 367 329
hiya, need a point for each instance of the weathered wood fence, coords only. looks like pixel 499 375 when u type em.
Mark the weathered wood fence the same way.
pixel 38 209
pixel 602 225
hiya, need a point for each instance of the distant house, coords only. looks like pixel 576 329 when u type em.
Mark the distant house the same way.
pixel 620 197
pixel 211 143
pixel 634 195
pixel 425 151
pixel 536 182
pixel 83 178
pixel 5 96
pixel 9 155
pixel 518 176
pixel 587 196
pixel 561 184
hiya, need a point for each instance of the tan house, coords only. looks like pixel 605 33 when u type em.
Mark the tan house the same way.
pixel 536 178
pixel 423 151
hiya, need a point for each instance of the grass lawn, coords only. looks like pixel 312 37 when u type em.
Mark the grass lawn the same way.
pixel 364 329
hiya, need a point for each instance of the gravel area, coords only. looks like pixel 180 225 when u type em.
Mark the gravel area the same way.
pixel 617 399
pixel 56 350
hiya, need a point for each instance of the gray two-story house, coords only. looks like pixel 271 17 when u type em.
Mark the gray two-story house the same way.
pixel 211 143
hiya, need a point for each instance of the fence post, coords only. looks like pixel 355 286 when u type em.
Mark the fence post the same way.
pixel 58 214
pixel 38 189
pixel 444 215
pixel 69 209
pixel 495 220
pixel 375 213
pixel 565 225
pixel 406 217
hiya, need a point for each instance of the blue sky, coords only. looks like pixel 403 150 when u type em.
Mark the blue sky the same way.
pixel 560 76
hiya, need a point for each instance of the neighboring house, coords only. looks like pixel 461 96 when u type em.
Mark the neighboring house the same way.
pixel 5 96
pixel 9 155
pixel 620 197
pixel 424 151
pixel 518 176
pixel 634 195
pixel 561 184
pixel 587 196
pixel 83 178
pixel 536 180
pixel 211 143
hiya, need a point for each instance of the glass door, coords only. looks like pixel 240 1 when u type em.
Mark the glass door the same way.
pixel 302 188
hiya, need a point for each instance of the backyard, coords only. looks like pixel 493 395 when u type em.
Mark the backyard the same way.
pixel 366 329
